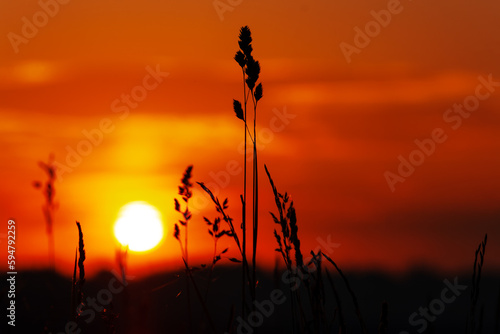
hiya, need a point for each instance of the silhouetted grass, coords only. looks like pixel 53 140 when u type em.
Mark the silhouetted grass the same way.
pixel 287 222
pixel 289 240
pixel 476 280
pixel 309 312
pixel 50 206
pixel 216 233
pixel 251 91
pixel 186 193
pixel 77 284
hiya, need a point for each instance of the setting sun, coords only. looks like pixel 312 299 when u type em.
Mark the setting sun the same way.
pixel 139 226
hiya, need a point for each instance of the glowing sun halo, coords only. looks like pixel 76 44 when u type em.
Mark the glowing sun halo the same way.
pixel 139 226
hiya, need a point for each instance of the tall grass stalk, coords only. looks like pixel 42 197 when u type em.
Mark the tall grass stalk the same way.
pixel 221 208
pixel 49 206
pixel 77 284
pixel 74 289
pixel 476 280
pixel 255 200
pixel 186 193
pixel 288 240
pixel 250 71
pixel 185 190
pixel 244 266
pixel 121 259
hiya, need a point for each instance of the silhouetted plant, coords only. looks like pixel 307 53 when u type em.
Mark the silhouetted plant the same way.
pixel 250 71
pixel 185 190
pixel 121 259
pixel 186 193
pixel 216 233
pixel 288 240
pixel 77 284
pixel 287 220
pixel 476 280
pixel 220 208
pixel 252 91
pixel 49 206
pixel 309 275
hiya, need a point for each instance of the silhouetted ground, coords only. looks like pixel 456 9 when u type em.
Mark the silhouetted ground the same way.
pixel 154 305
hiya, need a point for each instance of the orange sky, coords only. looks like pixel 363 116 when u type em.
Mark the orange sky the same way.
pixel 350 123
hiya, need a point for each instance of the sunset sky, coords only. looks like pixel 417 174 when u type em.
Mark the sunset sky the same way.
pixel 333 124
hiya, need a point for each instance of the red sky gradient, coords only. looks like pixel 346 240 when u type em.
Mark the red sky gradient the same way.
pixel 350 123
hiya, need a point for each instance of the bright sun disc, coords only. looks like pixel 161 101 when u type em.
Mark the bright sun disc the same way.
pixel 139 226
